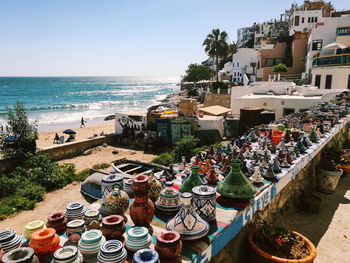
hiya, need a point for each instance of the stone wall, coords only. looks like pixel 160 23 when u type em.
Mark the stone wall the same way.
pixel 63 151
pixel 238 250
pixel 217 99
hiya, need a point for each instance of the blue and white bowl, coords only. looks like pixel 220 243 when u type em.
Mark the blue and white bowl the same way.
pixel 109 182
pixel 67 254
pixel 146 255
pixel 112 251
pixel 138 238
pixel 90 243
pixel 75 210
pixel 9 240
pixel 127 187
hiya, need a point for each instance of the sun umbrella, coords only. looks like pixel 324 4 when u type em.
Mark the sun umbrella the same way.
pixel 69 131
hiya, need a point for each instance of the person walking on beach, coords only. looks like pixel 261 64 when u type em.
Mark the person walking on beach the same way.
pixel 82 122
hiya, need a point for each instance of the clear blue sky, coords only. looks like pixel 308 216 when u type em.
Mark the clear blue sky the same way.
pixel 119 37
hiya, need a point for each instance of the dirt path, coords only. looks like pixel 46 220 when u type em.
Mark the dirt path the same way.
pixel 56 201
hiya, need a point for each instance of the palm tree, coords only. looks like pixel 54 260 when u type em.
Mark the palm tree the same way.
pixel 216 46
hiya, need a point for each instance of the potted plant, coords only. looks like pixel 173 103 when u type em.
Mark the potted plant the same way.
pixel 328 173
pixel 344 163
pixel 276 244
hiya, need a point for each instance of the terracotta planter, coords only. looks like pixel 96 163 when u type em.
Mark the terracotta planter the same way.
pixel 169 245
pixel 262 254
pixel 327 181
pixel 345 168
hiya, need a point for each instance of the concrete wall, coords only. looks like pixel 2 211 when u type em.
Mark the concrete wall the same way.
pixel 340 76
pixel 63 151
pixel 217 99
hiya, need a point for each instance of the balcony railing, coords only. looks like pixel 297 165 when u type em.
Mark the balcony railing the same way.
pixel 334 60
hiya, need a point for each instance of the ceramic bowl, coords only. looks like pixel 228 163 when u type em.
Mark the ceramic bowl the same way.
pixel 67 254
pixel 112 251
pixel 138 238
pixel 33 226
pixel 9 240
pixel 75 210
pixel 90 242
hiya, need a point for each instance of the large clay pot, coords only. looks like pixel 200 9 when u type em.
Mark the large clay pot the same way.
pixel 142 209
pixel 20 255
pixel 44 242
pixel 169 245
pixel 57 221
pixel 117 201
pixel 109 182
pixel 113 227
pixel 154 189
pixel 262 256
pixel 191 181
pixel 327 181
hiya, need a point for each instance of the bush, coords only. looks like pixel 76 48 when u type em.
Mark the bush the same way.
pixel 164 159
pixel 101 166
pixel 32 192
pixel 185 147
pixel 81 176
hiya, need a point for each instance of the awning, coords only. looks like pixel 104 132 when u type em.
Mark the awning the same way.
pixel 216 110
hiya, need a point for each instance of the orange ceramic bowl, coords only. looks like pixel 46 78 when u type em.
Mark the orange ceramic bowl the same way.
pixel 44 242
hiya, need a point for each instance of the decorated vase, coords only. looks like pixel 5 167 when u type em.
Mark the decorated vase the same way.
pixel 113 227
pixel 117 201
pixel 31 227
pixel 75 229
pixel 187 222
pixel 138 238
pixel 9 240
pixel 44 242
pixel 142 209
pixel 20 255
pixel 146 255
pixel 204 201
pixel 127 187
pixel 67 254
pixel 92 219
pixel 90 243
pixel 112 251
pixel 236 185
pixel 108 183
pixel 75 210
pixel 169 200
pixel 191 181
pixel 168 245
pixel 57 221
pixel 154 189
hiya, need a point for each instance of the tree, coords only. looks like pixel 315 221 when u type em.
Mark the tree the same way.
pixel 195 73
pixel 279 68
pixel 216 47
pixel 232 49
pixel 23 133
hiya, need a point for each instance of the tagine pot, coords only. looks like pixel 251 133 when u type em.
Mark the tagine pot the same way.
pixel 58 221
pixel 187 222
pixel 191 181
pixel 169 202
pixel 142 209
pixel 168 245
pixel 262 256
pixel 20 255
pixel 236 185
pixel 113 227
pixel 154 189
pixel 116 202
pixel 44 242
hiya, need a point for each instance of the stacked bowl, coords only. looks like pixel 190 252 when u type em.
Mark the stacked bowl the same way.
pixel 138 238
pixel 67 254
pixel 9 240
pixel 90 243
pixel 112 251
pixel 75 210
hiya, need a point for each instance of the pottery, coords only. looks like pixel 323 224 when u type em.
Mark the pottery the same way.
pixel 204 201
pixel 191 181
pixel 155 188
pixel 183 164
pixel 75 229
pixel 169 200
pixel 256 177
pixel 20 255
pixel 235 184
pixel 92 219
pixel 44 242
pixel 109 182
pixel 57 221
pixel 327 181
pixel 146 255
pixel 138 238
pixel 168 245
pixel 117 201
pixel 127 187
pixel 90 243
pixel 142 209
pixel 212 177
pixel 113 227
pixel 75 210
pixel 112 251
pixel 31 227
pixel 187 222
pixel 9 240
pixel 67 254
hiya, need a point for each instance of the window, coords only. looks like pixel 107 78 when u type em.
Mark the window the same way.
pixel 296 21
pixel 270 62
pixel 328 82
pixel 302 20
pixel 287 111
pixel 233 64
pixel 315 19
pixel 237 64
pixel 312 19
pixel 317 81
pixel 309 19
pixel 317 44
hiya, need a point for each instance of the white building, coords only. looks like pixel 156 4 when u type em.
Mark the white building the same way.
pixel 281 97
pixel 243 35
pixel 322 35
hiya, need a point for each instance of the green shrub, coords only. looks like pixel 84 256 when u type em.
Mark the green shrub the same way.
pixel 101 166
pixel 164 159
pixel 81 176
pixel 32 192
pixel 18 203
pixel 185 147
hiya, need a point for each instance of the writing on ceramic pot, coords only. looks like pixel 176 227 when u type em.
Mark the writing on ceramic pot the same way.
pixel 259 203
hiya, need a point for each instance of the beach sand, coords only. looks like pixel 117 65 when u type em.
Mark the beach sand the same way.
pixel 46 137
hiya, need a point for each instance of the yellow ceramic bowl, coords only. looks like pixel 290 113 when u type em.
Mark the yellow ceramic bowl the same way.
pixel 33 226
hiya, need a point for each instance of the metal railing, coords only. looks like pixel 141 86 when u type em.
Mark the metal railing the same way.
pixel 334 60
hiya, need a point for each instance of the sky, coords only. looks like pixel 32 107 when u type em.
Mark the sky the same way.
pixel 119 37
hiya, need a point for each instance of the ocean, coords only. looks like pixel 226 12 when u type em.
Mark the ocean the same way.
pixel 53 101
